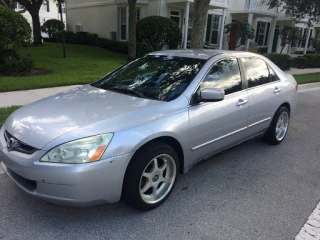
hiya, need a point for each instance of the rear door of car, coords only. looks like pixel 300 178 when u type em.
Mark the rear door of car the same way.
pixel 264 90
pixel 217 125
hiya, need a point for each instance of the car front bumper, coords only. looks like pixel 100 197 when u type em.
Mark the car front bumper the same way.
pixel 67 184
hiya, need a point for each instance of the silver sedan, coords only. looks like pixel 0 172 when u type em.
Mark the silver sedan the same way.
pixel 131 133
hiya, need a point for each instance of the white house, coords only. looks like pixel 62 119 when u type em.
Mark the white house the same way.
pixel 109 19
pixel 48 10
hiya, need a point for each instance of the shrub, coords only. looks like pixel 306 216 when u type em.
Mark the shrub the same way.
pixel 283 61
pixel 263 50
pixel 15 32
pixel 155 33
pixel 49 40
pixel 302 52
pixel 12 62
pixel 116 46
pixel 300 62
pixel 52 26
pixel 83 38
pixel 313 60
pixel 14 29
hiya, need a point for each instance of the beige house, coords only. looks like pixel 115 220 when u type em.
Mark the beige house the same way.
pixel 48 10
pixel 109 19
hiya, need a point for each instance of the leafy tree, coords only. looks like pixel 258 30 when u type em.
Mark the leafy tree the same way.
pixel 132 29
pixel 199 18
pixel 238 32
pixel 52 26
pixel 155 32
pixel 14 31
pixel 289 35
pixel 298 8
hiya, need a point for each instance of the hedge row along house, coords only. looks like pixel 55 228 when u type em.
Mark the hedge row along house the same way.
pixel 48 10
pixel 109 19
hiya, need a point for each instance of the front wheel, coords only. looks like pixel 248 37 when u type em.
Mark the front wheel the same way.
pixel 278 127
pixel 150 176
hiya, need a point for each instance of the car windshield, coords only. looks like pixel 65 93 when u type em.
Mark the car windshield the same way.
pixel 161 78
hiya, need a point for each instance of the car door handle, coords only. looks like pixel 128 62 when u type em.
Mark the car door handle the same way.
pixel 277 90
pixel 242 102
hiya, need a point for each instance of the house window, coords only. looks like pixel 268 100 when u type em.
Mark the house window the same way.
pixel 175 16
pixel 124 20
pixel 123 24
pixel 18 6
pixel 45 6
pixel 262 33
pixel 213 26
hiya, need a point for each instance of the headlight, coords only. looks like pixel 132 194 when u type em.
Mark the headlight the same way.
pixel 79 151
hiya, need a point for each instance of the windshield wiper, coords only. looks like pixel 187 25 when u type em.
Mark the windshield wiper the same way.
pixel 129 91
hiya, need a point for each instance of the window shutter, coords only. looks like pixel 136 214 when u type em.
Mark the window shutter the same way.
pixel 209 21
pixel 257 32
pixel 48 8
pixel 310 38
pixel 267 35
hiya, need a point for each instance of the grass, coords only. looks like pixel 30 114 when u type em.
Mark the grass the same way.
pixel 307 78
pixel 84 64
pixel 5 112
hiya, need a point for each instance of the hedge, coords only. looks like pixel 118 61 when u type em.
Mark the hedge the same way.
pixel 92 39
pixel 313 60
pixel 283 61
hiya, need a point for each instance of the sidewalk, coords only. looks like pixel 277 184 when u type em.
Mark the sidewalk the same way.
pixel 298 71
pixel 28 96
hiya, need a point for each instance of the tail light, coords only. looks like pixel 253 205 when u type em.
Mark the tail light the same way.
pixel 297 86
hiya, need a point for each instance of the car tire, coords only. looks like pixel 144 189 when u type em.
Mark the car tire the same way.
pixel 278 127
pixel 150 176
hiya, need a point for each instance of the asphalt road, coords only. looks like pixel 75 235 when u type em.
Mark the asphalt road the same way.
pixel 254 191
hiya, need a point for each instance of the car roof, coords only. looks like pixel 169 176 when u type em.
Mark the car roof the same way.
pixel 200 53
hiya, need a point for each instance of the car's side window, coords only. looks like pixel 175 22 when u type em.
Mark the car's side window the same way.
pixel 257 71
pixel 273 76
pixel 224 75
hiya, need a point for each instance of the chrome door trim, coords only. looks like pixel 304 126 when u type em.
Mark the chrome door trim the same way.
pixel 261 121
pixel 219 138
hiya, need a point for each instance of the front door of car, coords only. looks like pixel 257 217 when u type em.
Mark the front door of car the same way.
pixel 264 89
pixel 218 125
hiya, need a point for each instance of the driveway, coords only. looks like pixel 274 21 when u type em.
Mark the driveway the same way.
pixel 253 191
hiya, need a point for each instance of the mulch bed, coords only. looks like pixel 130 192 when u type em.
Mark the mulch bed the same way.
pixel 33 72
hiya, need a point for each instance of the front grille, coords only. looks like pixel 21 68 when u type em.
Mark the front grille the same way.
pixel 18 145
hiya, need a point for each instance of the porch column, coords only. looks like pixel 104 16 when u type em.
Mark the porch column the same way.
pixel 271 34
pixel 186 25
pixel 250 20
pixel 307 42
pixel 222 29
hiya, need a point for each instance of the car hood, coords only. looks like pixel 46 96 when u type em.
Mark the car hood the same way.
pixel 43 121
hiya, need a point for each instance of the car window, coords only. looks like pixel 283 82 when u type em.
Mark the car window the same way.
pixel 224 75
pixel 256 70
pixel 161 78
pixel 273 76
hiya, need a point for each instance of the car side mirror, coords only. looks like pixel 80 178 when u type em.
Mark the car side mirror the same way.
pixel 211 95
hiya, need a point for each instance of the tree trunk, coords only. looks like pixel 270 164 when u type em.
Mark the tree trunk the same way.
pixel 132 44
pixel 33 7
pixel 36 29
pixel 283 47
pixel 199 18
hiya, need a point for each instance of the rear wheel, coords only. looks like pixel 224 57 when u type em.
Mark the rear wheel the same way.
pixel 278 127
pixel 150 176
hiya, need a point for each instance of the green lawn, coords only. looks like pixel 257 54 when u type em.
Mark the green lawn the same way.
pixel 83 64
pixel 307 78
pixel 5 112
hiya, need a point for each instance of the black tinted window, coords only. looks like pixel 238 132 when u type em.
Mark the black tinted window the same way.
pixel 224 75
pixel 273 76
pixel 156 77
pixel 257 71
